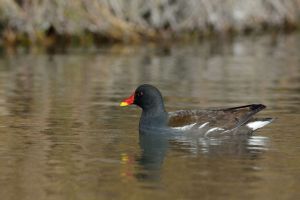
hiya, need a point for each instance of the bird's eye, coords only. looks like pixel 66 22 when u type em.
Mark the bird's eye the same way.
pixel 139 94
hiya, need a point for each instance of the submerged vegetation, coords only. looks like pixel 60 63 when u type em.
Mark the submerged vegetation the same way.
pixel 96 21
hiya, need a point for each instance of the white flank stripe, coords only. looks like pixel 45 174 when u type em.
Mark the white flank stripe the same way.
pixel 203 125
pixel 257 124
pixel 186 127
pixel 214 129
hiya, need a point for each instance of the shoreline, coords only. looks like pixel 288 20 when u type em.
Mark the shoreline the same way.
pixel 99 22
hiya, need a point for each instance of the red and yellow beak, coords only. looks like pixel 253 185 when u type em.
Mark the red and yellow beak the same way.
pixel 128 101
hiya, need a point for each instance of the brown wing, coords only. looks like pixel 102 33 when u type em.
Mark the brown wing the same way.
pixel 227 118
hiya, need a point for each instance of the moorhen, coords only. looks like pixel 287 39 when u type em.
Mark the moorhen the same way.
pixel 207 121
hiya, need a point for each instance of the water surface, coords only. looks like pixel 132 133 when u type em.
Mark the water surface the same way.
pixel 63 135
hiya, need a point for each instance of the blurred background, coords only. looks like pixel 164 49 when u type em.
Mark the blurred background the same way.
pixel 66 65
pixel 94 22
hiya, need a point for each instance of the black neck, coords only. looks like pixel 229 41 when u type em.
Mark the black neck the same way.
pixel 154 118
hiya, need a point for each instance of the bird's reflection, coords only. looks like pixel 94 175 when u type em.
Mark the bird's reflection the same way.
pixel 155 144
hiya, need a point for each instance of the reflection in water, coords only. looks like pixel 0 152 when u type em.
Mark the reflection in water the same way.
pixel 232 145
pixel 63 136
pixel 154 145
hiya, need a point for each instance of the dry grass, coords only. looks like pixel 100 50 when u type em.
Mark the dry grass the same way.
pixel 135 20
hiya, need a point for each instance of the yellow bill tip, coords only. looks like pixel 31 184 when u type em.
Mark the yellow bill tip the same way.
pixel 124 104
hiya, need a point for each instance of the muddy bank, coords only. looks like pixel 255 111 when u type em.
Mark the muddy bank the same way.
pixel 82 22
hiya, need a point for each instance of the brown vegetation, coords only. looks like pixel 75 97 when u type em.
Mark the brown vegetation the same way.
pixel 43 21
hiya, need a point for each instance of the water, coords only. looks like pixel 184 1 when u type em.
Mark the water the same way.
pixel 63 135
